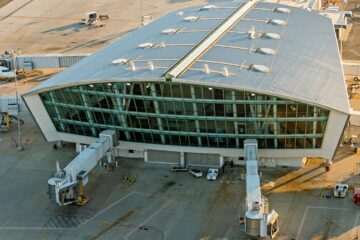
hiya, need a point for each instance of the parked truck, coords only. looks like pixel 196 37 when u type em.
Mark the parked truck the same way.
pixel 356 196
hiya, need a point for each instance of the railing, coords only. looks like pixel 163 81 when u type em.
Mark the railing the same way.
pixel 351 68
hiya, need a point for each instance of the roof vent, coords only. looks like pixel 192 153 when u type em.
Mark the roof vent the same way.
pixel 132 65
pixel 191 19
pixel 206 69
pixel 274 36
pixel 267 51
pixel 276 22
pixel 259 68
pixel 225 71
pixel 120 61
pixel 151 65
pixel 282 10
pixel 170 31
pixel 251 32
pixel 180 13
pixel 151 45
pixel 146 45
pixel 208 7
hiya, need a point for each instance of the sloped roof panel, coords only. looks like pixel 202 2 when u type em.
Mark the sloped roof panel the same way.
pixel 306 66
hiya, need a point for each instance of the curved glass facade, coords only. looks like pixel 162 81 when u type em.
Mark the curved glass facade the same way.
pixel 183 114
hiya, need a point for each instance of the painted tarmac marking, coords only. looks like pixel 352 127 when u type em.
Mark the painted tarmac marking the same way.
pixel 148 219
pixel 320 207
pixel 92 218
pixel 356 222
pixel 302 222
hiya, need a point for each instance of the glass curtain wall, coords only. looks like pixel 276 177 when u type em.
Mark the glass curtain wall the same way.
pixel 182 114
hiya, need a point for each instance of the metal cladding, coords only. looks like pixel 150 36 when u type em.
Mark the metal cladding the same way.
pixel 290 53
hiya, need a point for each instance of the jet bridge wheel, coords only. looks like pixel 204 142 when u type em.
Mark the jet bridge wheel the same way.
pixel 82 200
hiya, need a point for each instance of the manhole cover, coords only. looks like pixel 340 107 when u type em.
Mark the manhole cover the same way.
pixel 66 221
pixel 146 233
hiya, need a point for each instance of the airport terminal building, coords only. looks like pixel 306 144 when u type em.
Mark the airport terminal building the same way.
pixel 194 84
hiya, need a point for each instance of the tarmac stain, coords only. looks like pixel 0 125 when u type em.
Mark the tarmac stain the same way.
pixel 169 185
pixel 115 223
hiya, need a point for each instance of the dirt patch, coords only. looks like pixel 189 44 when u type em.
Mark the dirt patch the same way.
pixel 4 2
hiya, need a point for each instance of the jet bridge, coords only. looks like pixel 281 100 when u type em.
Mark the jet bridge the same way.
pixel 67 185
pixel 258 221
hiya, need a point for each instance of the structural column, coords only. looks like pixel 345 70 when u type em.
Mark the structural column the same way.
pixel 89 115
pixel 122 114
pixel 157 111
pixel 236 126
pixel 253 113
pixel 315 126
pixel 197 125
pixel 276 123
pixel 146 155
pixel 58 114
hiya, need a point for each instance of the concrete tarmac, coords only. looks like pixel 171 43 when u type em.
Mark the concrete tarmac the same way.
pixel 161 204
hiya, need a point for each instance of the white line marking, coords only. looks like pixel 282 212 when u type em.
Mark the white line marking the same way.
pixel 90 219
pixel 331 208
pixel 108 207
pixel 148 219
pixel 30 228
pixel 354 231
pixel 302 223
pixel 320 207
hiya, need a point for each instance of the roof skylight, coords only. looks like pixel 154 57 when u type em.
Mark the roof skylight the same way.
pixel 276 22
pixel 170 31
pixel 191 19
pixel 267 51
pixel 151 45
pixel 274 36
pixel 208 7
pixel 259 68
pixel 146 45
pixel 282 10
pixel 121 61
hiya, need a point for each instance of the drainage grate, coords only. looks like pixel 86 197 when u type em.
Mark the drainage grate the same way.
pixel 66 221
pixel 146 233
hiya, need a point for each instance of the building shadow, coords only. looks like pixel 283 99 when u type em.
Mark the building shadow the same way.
pixel 75 27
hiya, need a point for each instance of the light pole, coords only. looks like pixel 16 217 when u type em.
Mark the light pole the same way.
pixel 141 13
pixel 19 144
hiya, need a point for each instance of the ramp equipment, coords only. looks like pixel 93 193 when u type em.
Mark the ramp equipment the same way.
pixel 259 222
pixel 66 187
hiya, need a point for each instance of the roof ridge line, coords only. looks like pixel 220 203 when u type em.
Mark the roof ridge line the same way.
pixel 199 49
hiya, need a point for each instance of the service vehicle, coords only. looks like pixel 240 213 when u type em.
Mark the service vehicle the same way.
pixel 196 172
pixel 93 18
pixel 356 196
pixel 212 174
pixel 6 74
pixel 340 190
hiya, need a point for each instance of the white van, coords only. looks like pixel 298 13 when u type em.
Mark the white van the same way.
pixel 5 73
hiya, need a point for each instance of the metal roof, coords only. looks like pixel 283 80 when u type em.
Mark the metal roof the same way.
pixel 214 47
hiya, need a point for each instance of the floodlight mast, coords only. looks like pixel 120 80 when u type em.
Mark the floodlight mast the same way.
pixel 19 143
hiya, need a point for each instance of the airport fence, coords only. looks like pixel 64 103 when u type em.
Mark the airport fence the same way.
pixel 9 104
pixel 28 62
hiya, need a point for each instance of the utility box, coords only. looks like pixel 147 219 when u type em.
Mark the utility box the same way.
pixel 28 66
